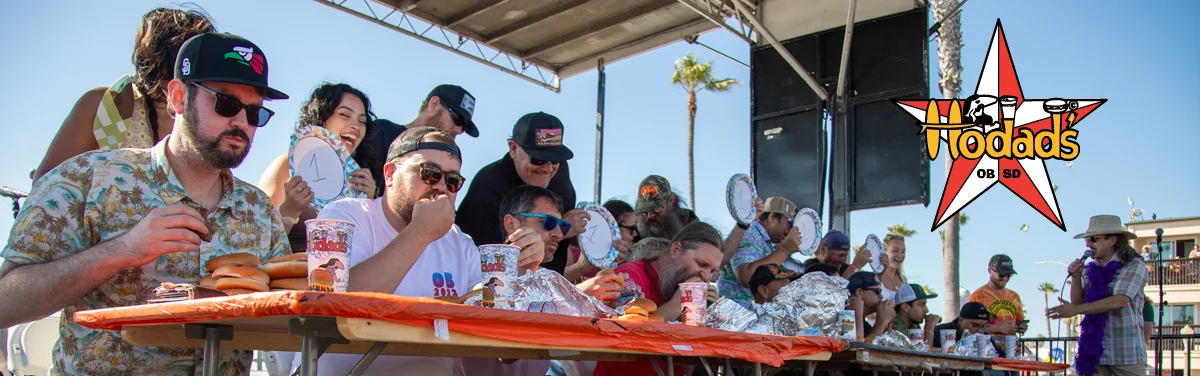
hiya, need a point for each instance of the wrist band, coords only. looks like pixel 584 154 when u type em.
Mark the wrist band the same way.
pixel 744 227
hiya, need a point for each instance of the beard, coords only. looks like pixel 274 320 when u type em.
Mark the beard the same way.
pixel 407 200
pixel 670 276
pixel 663 226
pixel 209 149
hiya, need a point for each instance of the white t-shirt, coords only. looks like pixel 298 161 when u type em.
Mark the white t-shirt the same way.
pixel 448 267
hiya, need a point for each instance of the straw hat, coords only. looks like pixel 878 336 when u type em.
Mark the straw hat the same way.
pixel 1105 225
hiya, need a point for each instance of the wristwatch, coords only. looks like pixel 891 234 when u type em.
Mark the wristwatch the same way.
pixel 742 226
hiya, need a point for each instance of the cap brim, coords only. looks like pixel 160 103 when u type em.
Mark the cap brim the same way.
pixel 647 207
pixel 471 129
pixel 271 93
pixel 554 154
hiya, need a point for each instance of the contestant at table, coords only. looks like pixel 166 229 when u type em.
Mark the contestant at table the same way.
pixel 912 311
pixel 405 242
pixel 133 112
pixel 107 227
pixel 694 256
pixel 346 113
pixel 865 287
pixel 536 156
pixel 771 239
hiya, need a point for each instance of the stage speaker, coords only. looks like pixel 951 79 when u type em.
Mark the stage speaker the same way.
pixel 888 165
pixel 789 158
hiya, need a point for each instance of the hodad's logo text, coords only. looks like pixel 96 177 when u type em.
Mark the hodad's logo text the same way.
pixel 998 135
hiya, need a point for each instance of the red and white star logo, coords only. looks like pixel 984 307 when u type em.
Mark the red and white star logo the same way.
pixel 1020 169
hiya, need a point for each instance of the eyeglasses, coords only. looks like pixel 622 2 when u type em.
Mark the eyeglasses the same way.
pixel 549 222
pixel 539 162
pixel 228 106
pixel 458 120
pixel 632 229
pixel 431 174
pixel 1096 238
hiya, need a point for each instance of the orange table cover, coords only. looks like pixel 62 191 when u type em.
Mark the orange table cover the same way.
pixel 525 327
pixel 1029 365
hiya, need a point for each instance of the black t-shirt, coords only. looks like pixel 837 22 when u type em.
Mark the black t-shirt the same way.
pixel 937 332
pixel 372 154
pixel 479 213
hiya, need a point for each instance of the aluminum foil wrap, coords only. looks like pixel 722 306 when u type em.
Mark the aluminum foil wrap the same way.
pixel 726 314
pixel 966 346
pixel 547 291
pixel 893 338
pixel 809 306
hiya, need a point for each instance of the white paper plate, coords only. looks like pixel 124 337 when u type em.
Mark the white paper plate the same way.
pixel 874 245
pixel 596 241
pixel 739 197
pixel 810 230
pixel 319 157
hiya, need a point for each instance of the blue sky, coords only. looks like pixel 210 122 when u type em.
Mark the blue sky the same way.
pixel 1141 144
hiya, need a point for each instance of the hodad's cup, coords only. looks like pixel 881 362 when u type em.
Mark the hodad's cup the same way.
pixel 329 254
pixel 949 337
pixel 916 335
pixel 693 303
pixel 498 263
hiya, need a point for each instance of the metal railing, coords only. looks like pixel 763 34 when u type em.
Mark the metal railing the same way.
pixel 1184 271
pixel 1062 350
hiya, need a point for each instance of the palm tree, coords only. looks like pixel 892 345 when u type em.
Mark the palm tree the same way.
pixel 928 290
pixel 902 230
pixel 692 75
pixel 1048 289
pixel 949 70
pixel 962 221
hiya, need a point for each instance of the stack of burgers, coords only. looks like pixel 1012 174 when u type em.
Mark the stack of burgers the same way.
pixel 239 273
pixel 641 310
pixel 288 272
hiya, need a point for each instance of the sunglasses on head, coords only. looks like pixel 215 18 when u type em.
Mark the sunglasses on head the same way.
pixel 549 222
pixel 431 174
pixel 228 106
pixel 539 162
pixel 458 120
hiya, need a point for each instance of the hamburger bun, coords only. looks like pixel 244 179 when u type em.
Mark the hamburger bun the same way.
pixel 208 281
pixel 605 272
pixel 654 317
pixel 634 318
pixel 289 284
pixel 238 271
pixel 292 257
pixel 645 304
pixel 286 269
pixel 243 259
pixel 241 283
pixel 635 310
pixel 238 291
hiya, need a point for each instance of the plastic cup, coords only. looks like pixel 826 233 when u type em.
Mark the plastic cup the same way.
pixel 693 303
pixel 916 335
pixel 949 337
pixel 329 254
pixel 983 344
pixel 499 265
pixel 1010 346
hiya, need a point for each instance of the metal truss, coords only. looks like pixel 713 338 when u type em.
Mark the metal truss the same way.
pixel 442 36
pixel 722 13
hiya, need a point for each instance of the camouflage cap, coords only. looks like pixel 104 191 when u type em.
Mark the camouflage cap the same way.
pixel 653 194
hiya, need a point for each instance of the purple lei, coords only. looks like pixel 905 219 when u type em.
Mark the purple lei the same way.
pixel 1091 336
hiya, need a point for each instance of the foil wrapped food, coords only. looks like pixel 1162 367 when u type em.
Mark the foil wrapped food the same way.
pixel 811 305
pixel 726 314
pixel 547 291
pixel 893 338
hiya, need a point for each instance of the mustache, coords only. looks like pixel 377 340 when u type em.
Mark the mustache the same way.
pixel 235 133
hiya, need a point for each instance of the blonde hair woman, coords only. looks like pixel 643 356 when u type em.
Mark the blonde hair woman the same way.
pixel 892 276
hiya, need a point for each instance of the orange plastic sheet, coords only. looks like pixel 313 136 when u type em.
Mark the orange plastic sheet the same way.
pixel 1029 365
pixel 526 327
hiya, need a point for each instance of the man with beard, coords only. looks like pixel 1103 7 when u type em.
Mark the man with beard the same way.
pixel 1008 316
pixel 449 108
pixel 772 239
pixel 405 242
pixel 694 256
pixel 834 249
pixel 105 228
pixel 536 156
pixel 537 209
pixel 659 214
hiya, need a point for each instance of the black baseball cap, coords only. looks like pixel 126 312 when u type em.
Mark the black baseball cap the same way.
pixel 541 136
pixel 974 311
pixel 459 101
pixel 1002 264
pixel 765 274
pixel 224 57
pixel 836 240
pixel 862 280
pixel 412 140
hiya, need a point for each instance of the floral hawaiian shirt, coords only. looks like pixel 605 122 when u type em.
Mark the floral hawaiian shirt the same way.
pixel 100 195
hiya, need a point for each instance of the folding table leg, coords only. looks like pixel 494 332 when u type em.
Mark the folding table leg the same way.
pixel 654 363
pixel 308 354
pixel 708 370
pixel 316 335
pixel 728 367
pixel 757 369
pixel 670 365
pixel 368 358
pixel 212 336
pixel 810 368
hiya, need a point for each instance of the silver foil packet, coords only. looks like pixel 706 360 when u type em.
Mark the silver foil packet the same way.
pixel 893 338
pixel 726 314
pixel 547 291
pixel 811 305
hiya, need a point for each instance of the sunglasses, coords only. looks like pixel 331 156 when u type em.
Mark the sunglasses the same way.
pixel 228 106
pixel 632 229
pixel 431 174
pixel 458 120
pixel 549 222
pixel 539 162
pixel 1096 238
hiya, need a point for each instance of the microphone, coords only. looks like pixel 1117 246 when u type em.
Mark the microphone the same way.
pixel 1158 235
pixel 12 193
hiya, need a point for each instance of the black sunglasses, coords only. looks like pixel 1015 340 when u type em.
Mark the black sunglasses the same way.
pixel 458 120
pixel 549 222
pixel 539 162
pixel 431 174
pixel 228 106
pixel 1096 238
pixel 632 229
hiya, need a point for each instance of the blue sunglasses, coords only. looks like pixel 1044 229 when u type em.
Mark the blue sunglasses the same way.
pixel 549 222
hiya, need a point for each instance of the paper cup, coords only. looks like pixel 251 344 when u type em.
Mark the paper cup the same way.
pixel 329 254
pixel 949 336
pixel 1010 347
pixel 916 335
pixel 847 320
pixel 499 265
pixel 983 345
pixel 692 302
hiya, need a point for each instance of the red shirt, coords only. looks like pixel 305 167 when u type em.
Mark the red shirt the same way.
pixel 644 275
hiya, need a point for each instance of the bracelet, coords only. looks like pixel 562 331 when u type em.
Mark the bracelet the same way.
pixel 290 221
pixel 743 227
